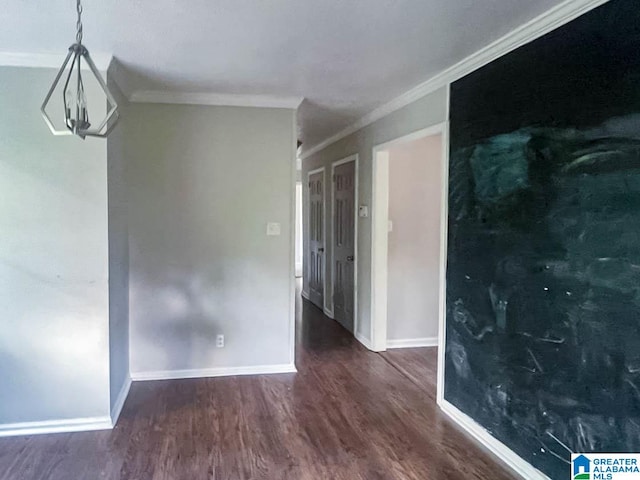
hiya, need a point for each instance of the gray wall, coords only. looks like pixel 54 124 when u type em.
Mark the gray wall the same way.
pixel 202 184
pixel 427 111
pixel 118 253
pixel 54 345
pixel 414 243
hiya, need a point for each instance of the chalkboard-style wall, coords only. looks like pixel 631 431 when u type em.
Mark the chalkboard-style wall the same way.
pixel 543 267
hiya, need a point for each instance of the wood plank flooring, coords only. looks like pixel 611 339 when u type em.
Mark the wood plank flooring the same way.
pixel 347 414
pixel 420 365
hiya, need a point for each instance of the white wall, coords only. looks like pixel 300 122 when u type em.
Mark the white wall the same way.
pixel 54 310
pixel 424 112
pixel 414 241
pixel 202 184
pixel 118 258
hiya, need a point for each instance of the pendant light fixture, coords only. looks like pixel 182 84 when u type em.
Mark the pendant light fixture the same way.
pixel 76 109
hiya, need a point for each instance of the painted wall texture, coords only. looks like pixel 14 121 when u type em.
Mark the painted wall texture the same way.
pixel 118 251
pixel 425 112
pixel 414 242
pixel 54 305
pixel 543 304
pixel 202 184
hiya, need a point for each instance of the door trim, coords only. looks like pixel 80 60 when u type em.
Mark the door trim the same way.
pixel 305 219
pixel 350 158
pixel 379 234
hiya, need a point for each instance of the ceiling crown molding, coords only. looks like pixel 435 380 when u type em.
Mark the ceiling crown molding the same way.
pixel 48 60
pixel 217 99
pixel 535 28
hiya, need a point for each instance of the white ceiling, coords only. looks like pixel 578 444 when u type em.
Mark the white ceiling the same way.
pixel 345 57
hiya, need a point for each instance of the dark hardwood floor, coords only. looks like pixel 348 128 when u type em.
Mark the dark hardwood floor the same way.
pixel 420 365
pixel 347 414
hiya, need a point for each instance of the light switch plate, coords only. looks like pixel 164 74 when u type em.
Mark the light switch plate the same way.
pixel 273 229
pixel 363 211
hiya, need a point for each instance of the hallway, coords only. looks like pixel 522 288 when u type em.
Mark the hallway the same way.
pixel 347 414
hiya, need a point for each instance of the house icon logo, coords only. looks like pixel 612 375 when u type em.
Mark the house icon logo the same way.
pixel 581 468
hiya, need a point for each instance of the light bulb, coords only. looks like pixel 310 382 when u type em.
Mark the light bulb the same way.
pixel 82 104
pixel 68 98
pixel 82 98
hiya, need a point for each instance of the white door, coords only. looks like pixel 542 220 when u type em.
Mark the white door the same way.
pixel 344 180
pixel 316 239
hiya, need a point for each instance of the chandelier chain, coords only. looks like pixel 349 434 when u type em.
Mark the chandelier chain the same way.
pixel 74 101
pixel 79 22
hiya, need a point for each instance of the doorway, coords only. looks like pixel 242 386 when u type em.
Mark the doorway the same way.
pixel 407 240
pixel 316 253
pixel 344 190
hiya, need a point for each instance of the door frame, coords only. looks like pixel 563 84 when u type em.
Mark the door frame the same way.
pixel 305 219
pixel 380 232
pixel 329 313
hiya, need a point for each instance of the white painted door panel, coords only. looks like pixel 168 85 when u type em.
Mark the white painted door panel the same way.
pixel 316 239
pixel 344 243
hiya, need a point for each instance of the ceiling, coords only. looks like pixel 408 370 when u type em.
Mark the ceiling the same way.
pixel 345 57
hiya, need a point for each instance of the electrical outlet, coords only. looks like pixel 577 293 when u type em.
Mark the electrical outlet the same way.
pixel 220 341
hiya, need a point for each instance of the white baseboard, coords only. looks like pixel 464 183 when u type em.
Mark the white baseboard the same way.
pixel 122 397
pixel 413 342
pixel 305 295
pixel 214 372
pixel 56 426
pixel 495 446
pixel 328 313
pixel 364 341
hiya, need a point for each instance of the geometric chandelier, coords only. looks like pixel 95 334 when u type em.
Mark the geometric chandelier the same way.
pixel 76 110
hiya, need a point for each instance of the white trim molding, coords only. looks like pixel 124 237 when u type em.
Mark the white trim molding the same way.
pixel 48 60
pixel 305 295
pixel 56 426
pixel 364 341
pixel 214 372
pixel 380 228
pixel 215 99
pixel 116 410
pixel 328 313
pixel 513 461
pixel 535 28
pixel 379 213
pixel 413 342
pixel 444 237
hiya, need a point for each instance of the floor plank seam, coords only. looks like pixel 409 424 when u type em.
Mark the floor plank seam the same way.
pixel 402 372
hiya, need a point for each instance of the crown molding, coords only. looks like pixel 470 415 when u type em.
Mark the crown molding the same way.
pixel 48 60
pixel 217 99
pixel 535 28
